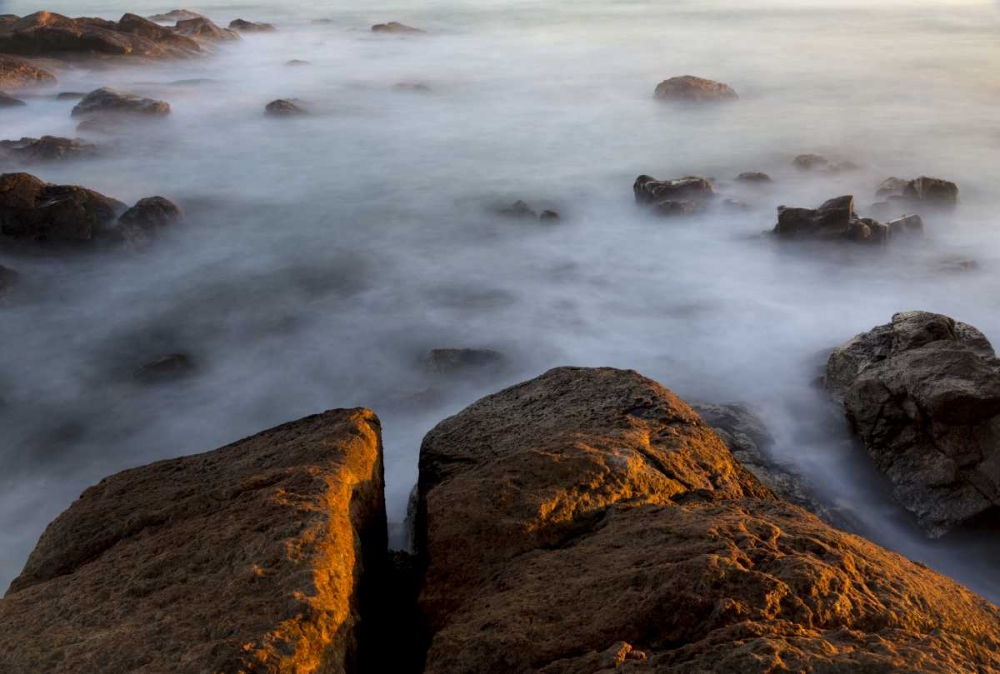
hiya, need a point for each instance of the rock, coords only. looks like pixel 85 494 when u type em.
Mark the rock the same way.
pixel 261 556
pixel 297 62
pixel 151 213
pixel 70 95
pixel 924 190
pixel 923 394
pixel 175 15
pixel 35 211
pixel 414 87
pixel 694 89
pixel 589 520
pixel 815 162
pixel 250 27
pixel 908 224
pixel 834 220
pixel 321 22
pixel 518 209
pixel 49 34
pixel 682 196
pixel 46 148
pixel 8 279
pixel 16 73
pixel 396 28
pixel 203 29
pixel 283 108
pixel 957 265
pixel 451 362
pixel 164 369
pixel 549 215
pixel 111 101
pixel 753 177
pixel 8 101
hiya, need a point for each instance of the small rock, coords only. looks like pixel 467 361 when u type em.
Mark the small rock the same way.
pixel 957 265
pixel 16 73
pixel 176 15
pixel 891 187
pixel 321 22
pixel 834 220
pixel 518 209
pixel 549 215
pixel 203 29
pixel 70 95
pixel 815 162
pixel 415 87
pixel 251 27
pixel 297 62
pixel 908 224
pixel 163 369
pixel 112 101
pixel 396 28
pixel 451 362
pixel 694 89
pixel 283 108
pixel 753 177
pixel 46 148
pixel 682 196
pixel 151 213
pixel 925 190
pixel 8 101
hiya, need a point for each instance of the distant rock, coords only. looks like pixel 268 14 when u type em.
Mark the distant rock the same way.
pixel 452 362
pixel 923 393
pixel 16 73
pixel 297 62
pixel 819 163
pixel 414 87
pixel 8 101
pixel 518 209
pixel 549 215
pixel 283 108
pixel 35 211
pixel 111 101
pixel 264 556
pixel 396 28
pixel 694 89
pixel 922 190
pixel 682 196
pixel 46 148
pixel 175 15
pixel 203 29
pixel 321 22
pixel 250 26
pixel 165 369
pixel 70 95
pixel 834 220
pixel 754 177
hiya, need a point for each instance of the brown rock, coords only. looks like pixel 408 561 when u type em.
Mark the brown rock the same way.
pixel 46 148
pixel 202 29
pixel 396 28
pixel 32 210
pixel 111 101
pixel 16 73
pixel 245 559
pixel 136 25
pixel 175 15
pixel 923 190
pixel 283 108
pixel 694 89
pixel 250 26
pixel 589 521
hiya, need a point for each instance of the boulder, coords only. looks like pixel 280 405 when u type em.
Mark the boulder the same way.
pixel 688 88
pixel 46 148
pixel 754 177
pixel 454 362
pixel 589 521
pixel 834 220
pixel 283 108
pixel 395 28
pixel 175 15
pixel 257 557
pixel 681 196
pixel 164 369
pixel 16 73
pixel 923 394
pixel 201 28
pixel 250 26
pixel 923 190
pixel 111 101
pixel 8 101
pixel 35 211
pixel 151 213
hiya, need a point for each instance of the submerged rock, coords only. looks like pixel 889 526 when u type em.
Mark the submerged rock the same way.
pixel 518 209
pixel 694 89
pixel 250 26
pixel 164 369
pixel 815 162
pixel 261 556
pixel 682 196
pixel 924 190
pixel 414 87
pixel 589 519
pixel 283 108
pixel 16 73
pixel 923 394
pixel 111 101
pixel 8 101
pixel 396 28
pixel 35 211
pixel 297 62
pixel 833 220
pixel 451 362
pixel 754 177
pixel 46 148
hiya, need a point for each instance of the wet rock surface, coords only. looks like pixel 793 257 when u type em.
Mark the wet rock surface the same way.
pixel 175 15
pixel 261 556
pixel 923 394
pixel 16 73
pixel 688 88
pixel 106 101
pixel 203 29
pixel 682 196
pixel 589 520
pixel 34 211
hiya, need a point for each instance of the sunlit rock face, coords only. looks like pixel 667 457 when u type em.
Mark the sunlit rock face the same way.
pixel 248 558
pixel 923 393
pixel 589 520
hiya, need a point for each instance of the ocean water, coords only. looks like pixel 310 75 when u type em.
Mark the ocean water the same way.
pixel 324 256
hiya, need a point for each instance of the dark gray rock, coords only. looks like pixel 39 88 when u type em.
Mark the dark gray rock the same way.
pixel 922 190
pixel 283 108
pixel 753 177
pixel 923 394
pixel 454 362
pixel 8 101
pixel 395 28
pixel 681 196
pixel 834 220
pixel 164 369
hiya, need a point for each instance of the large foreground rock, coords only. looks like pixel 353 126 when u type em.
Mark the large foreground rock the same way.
pixel 923 393
pixel 589 521
pixel 688 88
pixel 36 211
pixel 245 559
pixel 16 73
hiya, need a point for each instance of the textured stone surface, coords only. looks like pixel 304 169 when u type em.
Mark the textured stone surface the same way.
pixel 16 73
pixel 32 210
pixel 107 101
pixel 245 559
pixel 694 89
pixel 589 521
pixel 46 148
pixel 923 393
pixel 680 196
pixel 834 220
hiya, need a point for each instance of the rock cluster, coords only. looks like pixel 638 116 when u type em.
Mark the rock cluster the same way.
pixel 922 190
pixel 836 220
pixel 682 196
pixel 923 394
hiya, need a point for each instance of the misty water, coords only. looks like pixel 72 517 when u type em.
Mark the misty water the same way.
pixel 324 256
